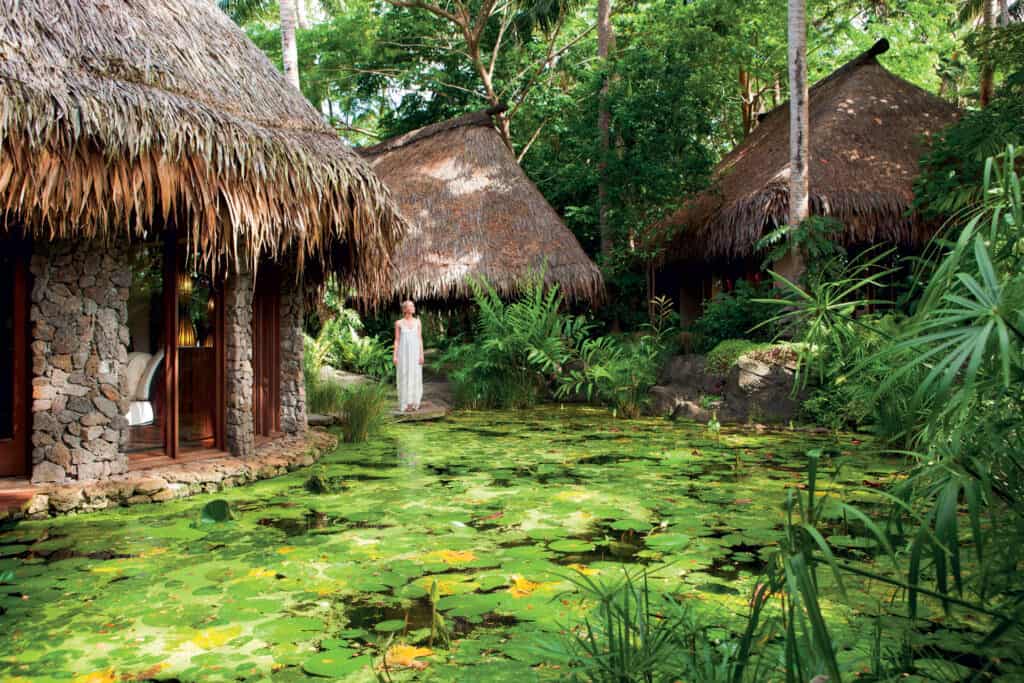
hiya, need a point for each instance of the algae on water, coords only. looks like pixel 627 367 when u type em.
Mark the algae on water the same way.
pixel 470 524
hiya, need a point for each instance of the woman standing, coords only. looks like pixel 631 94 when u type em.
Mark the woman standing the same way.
pixel 408 357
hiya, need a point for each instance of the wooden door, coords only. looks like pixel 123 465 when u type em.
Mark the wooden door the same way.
pixel 14 363
pixel 266 341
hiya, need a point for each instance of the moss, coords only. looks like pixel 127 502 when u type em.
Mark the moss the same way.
pixel 725 354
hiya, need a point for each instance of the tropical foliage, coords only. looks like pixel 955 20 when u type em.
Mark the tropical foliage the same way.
pixel 518 348
pixel 739 314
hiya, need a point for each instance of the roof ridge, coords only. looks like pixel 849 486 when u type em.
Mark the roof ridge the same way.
pixel 482 117
pixel 869 56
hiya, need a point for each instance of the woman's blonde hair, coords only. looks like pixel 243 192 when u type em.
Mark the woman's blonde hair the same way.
pixel 407 302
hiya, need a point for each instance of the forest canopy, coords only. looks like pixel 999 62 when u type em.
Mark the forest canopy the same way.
pixel 683 82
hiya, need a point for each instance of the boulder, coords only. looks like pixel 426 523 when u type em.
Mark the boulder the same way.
pixel 683 379
pixel 688 410
pixel 762 390
pixel 315 420
pixel 689 374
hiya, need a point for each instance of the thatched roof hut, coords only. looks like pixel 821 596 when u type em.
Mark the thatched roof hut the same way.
pixel 125 114
pixel 474 212
pixel 868 129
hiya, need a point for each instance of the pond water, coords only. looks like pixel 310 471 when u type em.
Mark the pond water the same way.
pixel 490 511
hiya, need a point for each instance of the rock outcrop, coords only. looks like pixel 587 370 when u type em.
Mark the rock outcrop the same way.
pixel 758 387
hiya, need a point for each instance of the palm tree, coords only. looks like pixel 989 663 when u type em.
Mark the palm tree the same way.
pixel 799 148
pixel 987 72
pixel 289 51
pixel 799 123
pixel 604 43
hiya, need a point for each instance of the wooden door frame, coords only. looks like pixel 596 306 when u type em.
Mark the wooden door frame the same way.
pixel 21 366
pixel 172 268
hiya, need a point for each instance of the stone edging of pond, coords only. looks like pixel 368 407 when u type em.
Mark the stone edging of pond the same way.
pixel 178 480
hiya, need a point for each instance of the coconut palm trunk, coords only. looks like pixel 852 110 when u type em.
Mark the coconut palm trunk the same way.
pixel 289 51
pixel 799 146
pixel 604 119
pixel 987 85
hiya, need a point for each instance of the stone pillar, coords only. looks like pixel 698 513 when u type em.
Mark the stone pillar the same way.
pixel 238 417
pixel 293 386
pixel 80 340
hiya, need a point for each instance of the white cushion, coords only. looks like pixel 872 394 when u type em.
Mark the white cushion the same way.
pixel 139 413
pixel 137 363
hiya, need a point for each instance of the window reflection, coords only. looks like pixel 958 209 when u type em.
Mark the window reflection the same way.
pixel 197 361
pixel 144 377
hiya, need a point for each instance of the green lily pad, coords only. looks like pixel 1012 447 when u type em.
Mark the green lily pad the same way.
pixel 390 626
pixel 667 542
pixel 335 663
pixel 571 545
pixel 547 534
pixel 630 525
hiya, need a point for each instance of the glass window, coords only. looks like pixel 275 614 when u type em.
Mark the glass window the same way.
pixel 197 360
pixel 145 383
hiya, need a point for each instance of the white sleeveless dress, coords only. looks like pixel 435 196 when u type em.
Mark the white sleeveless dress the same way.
pixel 409 370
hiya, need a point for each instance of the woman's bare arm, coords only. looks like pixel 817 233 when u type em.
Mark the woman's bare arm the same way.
pixel 394 351
pixel 419 333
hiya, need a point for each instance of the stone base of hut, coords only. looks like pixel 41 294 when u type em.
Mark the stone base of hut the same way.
pixel 78 352
pixel 180 480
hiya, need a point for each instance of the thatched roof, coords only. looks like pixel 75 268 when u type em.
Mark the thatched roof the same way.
pixel 119 115
pixel 474 212
pixel 867 133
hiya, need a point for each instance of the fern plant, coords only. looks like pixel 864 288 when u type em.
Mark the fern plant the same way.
pixel 520 346
pixel 620 372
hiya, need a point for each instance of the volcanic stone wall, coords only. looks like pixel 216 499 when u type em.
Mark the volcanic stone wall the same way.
pixel 239 427
pixel 293 386
pixel 80 340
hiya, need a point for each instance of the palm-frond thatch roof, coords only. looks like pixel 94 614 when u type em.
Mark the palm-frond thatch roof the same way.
pixel 868 129
pixel 119 115
pixel 474 212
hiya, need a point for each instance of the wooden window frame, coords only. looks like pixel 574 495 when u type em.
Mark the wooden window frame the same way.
pixel 18 444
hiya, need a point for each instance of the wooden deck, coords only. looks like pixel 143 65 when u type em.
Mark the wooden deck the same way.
pixel 14 492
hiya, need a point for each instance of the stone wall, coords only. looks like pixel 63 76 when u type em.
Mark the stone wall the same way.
pixel 293 387
pixel 238 417
pixel 80 340
pixel 179 480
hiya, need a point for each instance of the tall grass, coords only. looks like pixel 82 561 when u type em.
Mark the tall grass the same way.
pixel 365 408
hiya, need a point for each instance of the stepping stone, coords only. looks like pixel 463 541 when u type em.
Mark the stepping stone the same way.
pixel 315 420
pixel 427 411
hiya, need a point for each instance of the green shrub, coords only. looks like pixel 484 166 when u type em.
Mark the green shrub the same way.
pixel 620 371
pixel 365 408
pixel 519 349
pixel 733 315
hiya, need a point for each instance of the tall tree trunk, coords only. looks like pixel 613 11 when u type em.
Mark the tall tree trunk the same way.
pixel 604 120
pixel 746 102
pixel 289 52
pixel 792 265
pixel 1004 13
pixel 987 72
pixel 799 122
pixel 301 15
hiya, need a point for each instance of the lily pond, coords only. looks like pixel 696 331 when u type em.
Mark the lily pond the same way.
pixel 483 517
